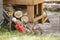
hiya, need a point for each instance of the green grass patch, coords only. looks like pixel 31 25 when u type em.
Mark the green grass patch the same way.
pixel 14 35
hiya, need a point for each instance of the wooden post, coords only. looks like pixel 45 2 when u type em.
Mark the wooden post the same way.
pixel 30 11
pixel 40 10
pixel 37 9
pixel 10 24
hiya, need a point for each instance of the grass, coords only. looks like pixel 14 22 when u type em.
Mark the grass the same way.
pixel 14 35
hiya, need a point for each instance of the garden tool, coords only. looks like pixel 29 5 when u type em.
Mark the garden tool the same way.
pixel 10 13
pixel 18 25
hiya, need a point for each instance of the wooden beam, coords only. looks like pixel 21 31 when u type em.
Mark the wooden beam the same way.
pixel 30 11
pixel 37 9
pixel 40 10
pixel 22 2
pixel 38 18
pixel 45 19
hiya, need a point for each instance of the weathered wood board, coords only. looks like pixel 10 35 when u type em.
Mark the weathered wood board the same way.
pixel 22 2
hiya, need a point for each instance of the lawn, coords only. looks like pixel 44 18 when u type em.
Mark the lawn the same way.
pixel 14 35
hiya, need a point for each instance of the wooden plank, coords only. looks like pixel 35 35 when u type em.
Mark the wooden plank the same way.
pixel 38 1
pixel 19 2
pixel 40 10
pixel 37 9
pixel 22 2
pixel 38 18
pixel 45 19
pixel 10 24
pixel 30 11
